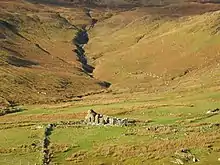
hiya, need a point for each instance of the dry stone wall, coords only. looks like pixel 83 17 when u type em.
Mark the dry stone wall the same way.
pixel 45 145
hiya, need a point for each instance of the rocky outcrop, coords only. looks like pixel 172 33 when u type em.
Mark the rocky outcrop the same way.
pixel 94 118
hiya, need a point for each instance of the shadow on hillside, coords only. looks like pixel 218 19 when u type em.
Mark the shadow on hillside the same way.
pixel 105 84
pixel 18 62
pixel 53 2
pixel 208 1
pixel 11 51
pixel 8 26
pixel 11 27
pixel 74 3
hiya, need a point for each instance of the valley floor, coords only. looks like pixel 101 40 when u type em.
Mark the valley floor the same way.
pixel 165 126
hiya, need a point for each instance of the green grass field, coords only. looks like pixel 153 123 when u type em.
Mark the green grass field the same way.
pixel 166 125
pixel 20 145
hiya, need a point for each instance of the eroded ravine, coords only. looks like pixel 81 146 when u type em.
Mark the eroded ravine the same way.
pixel 80 40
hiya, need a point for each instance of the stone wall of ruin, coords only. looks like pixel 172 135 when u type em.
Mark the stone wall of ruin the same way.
pixel 94 118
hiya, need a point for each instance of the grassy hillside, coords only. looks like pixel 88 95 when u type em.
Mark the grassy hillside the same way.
pixel 138 50
pixel 157 65
pixel 37 60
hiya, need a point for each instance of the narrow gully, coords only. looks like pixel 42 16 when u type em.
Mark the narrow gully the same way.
pixel 80 40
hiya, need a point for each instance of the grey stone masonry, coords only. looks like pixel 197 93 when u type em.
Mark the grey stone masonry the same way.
pixel 94 118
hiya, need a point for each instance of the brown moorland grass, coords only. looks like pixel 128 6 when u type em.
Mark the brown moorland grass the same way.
pixel 162 62
pixel 39 66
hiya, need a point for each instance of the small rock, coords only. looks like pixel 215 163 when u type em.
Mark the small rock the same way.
pixel 210 146
pixel 39 127
pixel 214 111
pixel 195 160
pixel 185 150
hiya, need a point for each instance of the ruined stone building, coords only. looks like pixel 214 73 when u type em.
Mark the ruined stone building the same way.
pixel 98 119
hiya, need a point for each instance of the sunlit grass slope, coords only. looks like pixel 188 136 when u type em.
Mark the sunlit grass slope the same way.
pixel 140 51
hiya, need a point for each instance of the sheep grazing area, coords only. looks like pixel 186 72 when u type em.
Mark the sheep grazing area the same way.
pixel 109 82
pixel 163 127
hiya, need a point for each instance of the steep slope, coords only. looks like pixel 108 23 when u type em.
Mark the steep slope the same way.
pixel 143 51
pixel 165 46
pixel 37 61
